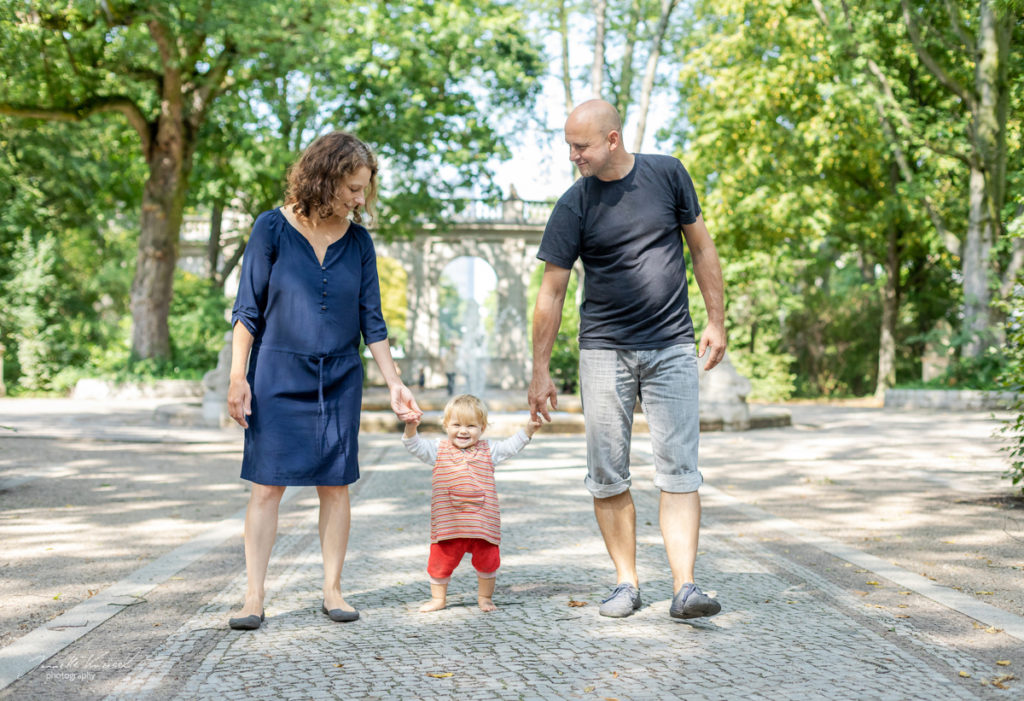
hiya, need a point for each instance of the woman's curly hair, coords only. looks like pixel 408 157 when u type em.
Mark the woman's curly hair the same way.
pixel 314 179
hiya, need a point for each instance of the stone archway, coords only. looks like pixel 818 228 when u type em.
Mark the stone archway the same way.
pixel 509 245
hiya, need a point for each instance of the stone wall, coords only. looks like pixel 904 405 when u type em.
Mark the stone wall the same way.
pixel 948 399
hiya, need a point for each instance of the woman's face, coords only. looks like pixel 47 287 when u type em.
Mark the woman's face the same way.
pixel 351 193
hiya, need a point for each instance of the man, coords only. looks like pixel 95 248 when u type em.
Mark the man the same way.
pixel 623 220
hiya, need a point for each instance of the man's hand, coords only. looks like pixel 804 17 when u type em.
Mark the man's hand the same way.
pixel 713 338
pixel 542 391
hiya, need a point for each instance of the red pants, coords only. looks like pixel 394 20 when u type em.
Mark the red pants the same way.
pixel 446 556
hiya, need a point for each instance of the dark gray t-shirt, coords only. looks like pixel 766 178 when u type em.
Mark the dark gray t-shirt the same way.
pixel 628 233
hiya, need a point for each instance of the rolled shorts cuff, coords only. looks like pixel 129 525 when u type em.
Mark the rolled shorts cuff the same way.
pixel 487 575
pixel 679 484
pixel 439 580
pixel 603 491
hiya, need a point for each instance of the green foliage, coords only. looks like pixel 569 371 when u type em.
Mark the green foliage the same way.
pixel 31 310
pixel 198 323
pixel 394 305
pixel 64 250
pixel 780 127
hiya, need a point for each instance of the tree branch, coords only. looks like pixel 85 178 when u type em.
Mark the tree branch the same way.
pixel 213 81
pixel 168 59
pixel 563 31
pixel 79 112
pixel 958 29
pixel 651 71
pixel 624 93
pixel 929 61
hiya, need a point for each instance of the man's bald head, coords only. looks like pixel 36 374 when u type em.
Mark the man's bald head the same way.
pixel 599 114
pixel 594 134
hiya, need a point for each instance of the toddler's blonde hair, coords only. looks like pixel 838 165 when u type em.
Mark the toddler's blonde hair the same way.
pixel 466 407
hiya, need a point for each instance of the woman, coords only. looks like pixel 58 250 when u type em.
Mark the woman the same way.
pixel 308 290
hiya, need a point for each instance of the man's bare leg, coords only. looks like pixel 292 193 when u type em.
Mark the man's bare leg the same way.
pixel 680 527
pixel 616 517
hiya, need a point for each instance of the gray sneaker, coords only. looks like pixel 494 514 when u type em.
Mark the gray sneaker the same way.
pixel 691 602
pixel 625 599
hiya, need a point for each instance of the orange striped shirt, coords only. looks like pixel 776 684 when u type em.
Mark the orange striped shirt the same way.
pixel 464 499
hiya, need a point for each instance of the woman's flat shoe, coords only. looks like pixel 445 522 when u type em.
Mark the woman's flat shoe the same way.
pixel 248 622
pixel 340 615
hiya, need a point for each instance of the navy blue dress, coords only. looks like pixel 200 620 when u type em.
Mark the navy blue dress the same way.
pixel 304 370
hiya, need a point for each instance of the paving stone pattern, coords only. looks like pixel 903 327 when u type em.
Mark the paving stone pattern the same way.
pixel 785 632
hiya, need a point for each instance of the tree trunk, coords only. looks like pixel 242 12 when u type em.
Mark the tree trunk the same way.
pixel 563 30
pixel 597 67
pixel 977 252
pixel 988 175
pixel 213 244
pixel 890 311
pixel 163 203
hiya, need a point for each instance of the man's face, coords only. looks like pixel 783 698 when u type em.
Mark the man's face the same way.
pixel 588 146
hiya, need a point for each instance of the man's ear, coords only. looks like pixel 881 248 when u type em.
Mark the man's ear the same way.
pixel 614 140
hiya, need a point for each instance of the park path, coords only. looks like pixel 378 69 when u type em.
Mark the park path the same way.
pixel 807 612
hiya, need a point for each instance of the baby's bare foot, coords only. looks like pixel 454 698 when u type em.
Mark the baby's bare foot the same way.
pixel 433 605
pixel 486 604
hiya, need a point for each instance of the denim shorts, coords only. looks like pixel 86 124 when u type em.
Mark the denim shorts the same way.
pixel 666 382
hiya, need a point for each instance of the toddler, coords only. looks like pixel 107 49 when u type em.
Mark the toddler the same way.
pixel 464 502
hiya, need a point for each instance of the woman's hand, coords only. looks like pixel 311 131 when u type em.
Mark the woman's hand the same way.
pixel 240 401
pixel 404 404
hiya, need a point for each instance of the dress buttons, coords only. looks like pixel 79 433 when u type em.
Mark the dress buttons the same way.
pixel 323 306
pixel 325 293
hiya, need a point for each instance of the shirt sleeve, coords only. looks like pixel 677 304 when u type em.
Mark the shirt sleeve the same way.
pixel 371 318
pixel 687 206
pixel 422 448
pixel 257 261
pixel 503 450
pixel 561 242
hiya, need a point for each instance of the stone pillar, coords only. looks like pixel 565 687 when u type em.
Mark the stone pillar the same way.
pixel 723 395
pixel 215 386
pixel 937 352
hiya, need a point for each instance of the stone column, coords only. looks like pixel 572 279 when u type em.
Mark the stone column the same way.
pixel 215 386
pixel 723 395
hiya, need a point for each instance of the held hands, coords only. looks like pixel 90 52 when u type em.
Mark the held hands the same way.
pixel 532 426
pixel 713 338
pixel 410 426
pixel 239 401
pixel 404 404
pixel 541 392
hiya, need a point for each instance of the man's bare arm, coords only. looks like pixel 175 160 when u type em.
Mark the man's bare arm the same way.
pixel 708 271
pixel 547 318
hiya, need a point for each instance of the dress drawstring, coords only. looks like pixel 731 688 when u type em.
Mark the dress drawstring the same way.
pixel 321 412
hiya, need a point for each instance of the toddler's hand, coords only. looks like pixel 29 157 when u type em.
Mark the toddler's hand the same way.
pixel 531 426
